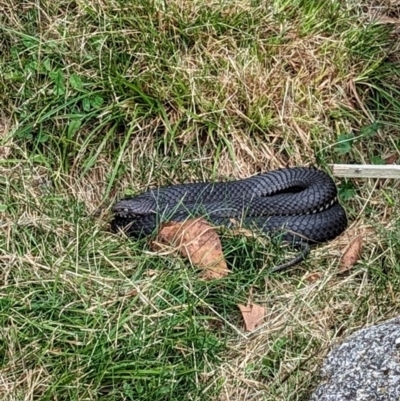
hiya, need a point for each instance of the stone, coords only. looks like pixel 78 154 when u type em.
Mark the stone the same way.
pixel 364 367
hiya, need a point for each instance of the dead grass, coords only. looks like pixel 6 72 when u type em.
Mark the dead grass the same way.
pixel 102 99
pixel 5 147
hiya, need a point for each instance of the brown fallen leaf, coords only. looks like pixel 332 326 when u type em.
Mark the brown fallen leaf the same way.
pixel 253 315
pixel 312 277
pixel 351 254
pixel 196 240
pixel 391 159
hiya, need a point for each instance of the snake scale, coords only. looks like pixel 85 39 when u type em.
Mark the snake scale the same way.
pixel 299 204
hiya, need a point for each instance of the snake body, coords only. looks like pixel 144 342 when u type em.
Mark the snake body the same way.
pixel 299 204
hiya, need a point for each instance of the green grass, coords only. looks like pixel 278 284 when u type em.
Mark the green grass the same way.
pixel 102 99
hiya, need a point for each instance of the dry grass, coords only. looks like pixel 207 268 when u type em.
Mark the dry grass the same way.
pixel 104 98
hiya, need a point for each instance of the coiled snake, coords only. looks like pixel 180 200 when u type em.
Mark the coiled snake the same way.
pixel 299 204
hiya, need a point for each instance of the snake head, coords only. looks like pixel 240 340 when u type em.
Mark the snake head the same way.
pixel 134 206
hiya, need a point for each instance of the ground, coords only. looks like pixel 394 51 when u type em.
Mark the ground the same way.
pixel 103 99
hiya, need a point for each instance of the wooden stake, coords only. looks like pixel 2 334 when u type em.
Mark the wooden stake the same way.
pixel 365 170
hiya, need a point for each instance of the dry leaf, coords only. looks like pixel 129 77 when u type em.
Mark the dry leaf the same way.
pixel 196 240
pixel 391 159
pixel 312 277
pixel 351 254
pixel 253 315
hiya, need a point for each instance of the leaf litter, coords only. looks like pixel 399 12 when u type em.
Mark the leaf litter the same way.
pixel 253 315
pixel 352 254
pixel 196 240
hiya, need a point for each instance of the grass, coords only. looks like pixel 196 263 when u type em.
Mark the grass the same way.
pixel 102 99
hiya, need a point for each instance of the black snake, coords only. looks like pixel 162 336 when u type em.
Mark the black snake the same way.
pixel 299 204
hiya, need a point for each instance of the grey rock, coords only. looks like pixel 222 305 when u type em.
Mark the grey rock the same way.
pixel 365 367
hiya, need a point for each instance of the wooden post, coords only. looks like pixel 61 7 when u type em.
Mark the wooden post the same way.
pixel 365 170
